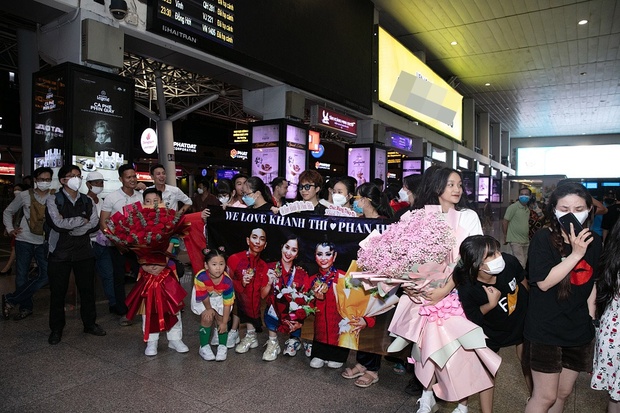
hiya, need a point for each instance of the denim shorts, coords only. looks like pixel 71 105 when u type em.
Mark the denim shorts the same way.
pixel 273 323
pixel 546 358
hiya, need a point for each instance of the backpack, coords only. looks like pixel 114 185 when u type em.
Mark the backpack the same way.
pixel 60 201
pixel 37 214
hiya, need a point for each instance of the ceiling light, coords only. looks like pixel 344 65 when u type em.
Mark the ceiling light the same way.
pixel 487 84
pixel 582 22
pixel 453 43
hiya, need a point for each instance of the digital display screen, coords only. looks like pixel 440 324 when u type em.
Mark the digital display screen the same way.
pixel 400 142
pixel 380 163
pixel 412 88
pixel 483 188
pixel 277 38
pixel 569 161
pixel 226 173
pixel 49 114
pixel 359 164
pixel 412 167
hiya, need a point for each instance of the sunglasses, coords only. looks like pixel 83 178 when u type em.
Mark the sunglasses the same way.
pixel 306 187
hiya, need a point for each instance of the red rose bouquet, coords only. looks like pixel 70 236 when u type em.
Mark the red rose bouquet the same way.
pixel 294 305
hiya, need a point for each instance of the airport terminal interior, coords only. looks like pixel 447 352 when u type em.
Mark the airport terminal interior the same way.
pixel 511 94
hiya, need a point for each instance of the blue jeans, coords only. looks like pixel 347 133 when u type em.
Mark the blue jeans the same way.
pixel 26 287
pixel 105 269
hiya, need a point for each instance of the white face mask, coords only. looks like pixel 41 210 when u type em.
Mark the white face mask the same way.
pixel 496 266
pixel 581 216
pixel 339 199
pixel 44 186
pixel 223 199
pixel 200 191
pixel 74 183
pixel 403 195
pixel 96 190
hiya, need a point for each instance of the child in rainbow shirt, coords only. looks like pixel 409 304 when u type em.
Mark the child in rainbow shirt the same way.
pixel 214 299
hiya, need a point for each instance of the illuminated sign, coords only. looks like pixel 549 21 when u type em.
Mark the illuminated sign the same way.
pixel 148 141
pixel 327 118
pixel 409 86
pixel 322 165
pixel 241 136
pixel 439 155
pixel 185 147
pixel 314 138
pixel 400 141
pixel 235 154
pixel 7 169
pixel 463 163
pixel 144 176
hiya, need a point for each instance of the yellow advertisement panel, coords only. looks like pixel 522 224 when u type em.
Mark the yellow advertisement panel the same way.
pixel 409 86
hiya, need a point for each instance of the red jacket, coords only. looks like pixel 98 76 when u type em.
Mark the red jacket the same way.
pixel 248 297
pixel 301 281
pixel 326 318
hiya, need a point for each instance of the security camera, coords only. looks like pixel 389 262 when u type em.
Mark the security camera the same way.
pixel 118 8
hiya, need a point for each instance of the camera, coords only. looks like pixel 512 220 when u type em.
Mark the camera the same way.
pixel 118 8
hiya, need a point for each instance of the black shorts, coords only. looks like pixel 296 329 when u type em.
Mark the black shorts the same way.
pixel 546 358
pixel 244 318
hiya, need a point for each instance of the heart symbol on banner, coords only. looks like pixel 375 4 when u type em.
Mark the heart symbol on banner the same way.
pixel 332 225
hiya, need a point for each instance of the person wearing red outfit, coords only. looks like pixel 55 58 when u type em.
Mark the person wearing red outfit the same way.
pixel 326 330
pixel 285 276
pixel 249 274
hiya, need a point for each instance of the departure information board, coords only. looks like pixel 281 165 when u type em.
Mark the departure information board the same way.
pixel 322 46
pixel 194 21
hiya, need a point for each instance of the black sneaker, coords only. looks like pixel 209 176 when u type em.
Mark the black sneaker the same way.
pixel 95 330
pixel 55 337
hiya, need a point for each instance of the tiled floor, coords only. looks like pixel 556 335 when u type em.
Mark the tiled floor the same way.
pixel 85 373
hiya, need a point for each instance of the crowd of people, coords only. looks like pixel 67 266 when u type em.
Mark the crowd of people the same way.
pixel 555 298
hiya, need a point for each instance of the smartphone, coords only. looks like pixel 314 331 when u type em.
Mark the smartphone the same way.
pixel 568 219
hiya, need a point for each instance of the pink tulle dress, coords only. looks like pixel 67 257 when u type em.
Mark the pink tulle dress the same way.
pixel 446 343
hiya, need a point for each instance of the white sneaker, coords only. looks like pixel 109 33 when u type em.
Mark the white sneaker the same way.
pixel 308 349
pixel 215 340
pixel 317 363
pixel 272 351
pixel 427 405
pixel 247 343
pixel 334 364
pixel 178 346
pixel 151 348
pixel 292 345
pixel 206 353
pixel 233 338
pixel 459 409
pixel 221 353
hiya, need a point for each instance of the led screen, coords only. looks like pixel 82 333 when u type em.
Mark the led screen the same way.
pixel 585 161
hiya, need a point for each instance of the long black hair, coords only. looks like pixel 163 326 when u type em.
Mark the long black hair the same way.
pixel 473 251
pixel 608 282
pixel 434 183
pixel 378 200
pixel 557 241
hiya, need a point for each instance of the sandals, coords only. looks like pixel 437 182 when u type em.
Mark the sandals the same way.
pixel 355 372
pixel 367 379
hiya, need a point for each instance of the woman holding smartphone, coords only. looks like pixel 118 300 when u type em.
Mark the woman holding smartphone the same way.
pixel 558 326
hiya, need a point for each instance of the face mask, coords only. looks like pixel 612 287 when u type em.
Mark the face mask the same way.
pixel 200 191
pixel 74 183
pixel 403 195
pixel 248 200
pixel 223 199
pixel 524 199
pixel 96 190
pixel 339 199
pixel 496 266
pixel 15 193
pixel 581 216
pixel 44 186
pixel 357 208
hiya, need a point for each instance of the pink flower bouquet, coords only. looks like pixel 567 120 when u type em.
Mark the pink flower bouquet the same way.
pixel 411 251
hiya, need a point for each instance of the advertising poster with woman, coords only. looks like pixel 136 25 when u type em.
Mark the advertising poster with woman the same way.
pixel 102 123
